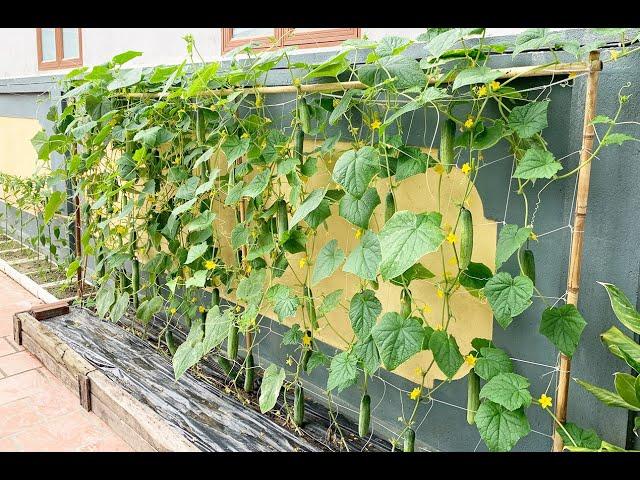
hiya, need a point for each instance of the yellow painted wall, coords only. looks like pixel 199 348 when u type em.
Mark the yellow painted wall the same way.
pixel 17 155
pixel 473 318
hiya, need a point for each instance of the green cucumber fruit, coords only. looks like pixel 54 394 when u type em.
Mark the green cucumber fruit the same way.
pixel 389 206
pixel 249 373
pixel 409 440
pixel 466 238
pixel 528 264
pixel 200 128
pixel 282 218
pixel 303 115
pixel 298 405
pixel 365 415
pixel 473 396
pixel 305 358
pixel 171 344
pixel 232 341
pixel 311 308
pixel 447 138
pixel 405 303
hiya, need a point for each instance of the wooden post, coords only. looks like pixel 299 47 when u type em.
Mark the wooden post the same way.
pixel 580 214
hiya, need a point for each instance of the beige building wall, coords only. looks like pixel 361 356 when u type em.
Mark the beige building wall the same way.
pixel 17 155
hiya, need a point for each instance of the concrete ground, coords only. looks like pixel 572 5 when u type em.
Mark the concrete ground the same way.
pixel 37 412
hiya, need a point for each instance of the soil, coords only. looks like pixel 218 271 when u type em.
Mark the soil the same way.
pixel 69 290
pixel 9 245
pixel 23 253
pixel 33 266
pixel 47 276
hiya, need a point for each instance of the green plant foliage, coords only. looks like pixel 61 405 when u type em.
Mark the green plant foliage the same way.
pixel 188 174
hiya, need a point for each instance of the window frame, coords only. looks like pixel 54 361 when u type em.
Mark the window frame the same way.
pixel 286 37
pixel 59 62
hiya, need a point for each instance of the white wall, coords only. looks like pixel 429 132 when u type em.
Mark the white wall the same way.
pixel 18 57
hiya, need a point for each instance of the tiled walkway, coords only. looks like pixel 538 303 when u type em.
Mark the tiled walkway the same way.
pixel 37 412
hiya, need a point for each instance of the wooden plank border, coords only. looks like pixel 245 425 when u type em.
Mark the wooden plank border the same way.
pixel 138 425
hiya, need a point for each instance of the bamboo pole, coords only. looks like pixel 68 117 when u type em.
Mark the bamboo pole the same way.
pixel 575 261
pixel 527 71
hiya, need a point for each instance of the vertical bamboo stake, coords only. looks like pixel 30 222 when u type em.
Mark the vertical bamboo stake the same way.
pixel 575 261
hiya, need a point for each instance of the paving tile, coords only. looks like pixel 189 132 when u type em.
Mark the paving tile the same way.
pixel 5 347
pixel 37 412
pixel 18 363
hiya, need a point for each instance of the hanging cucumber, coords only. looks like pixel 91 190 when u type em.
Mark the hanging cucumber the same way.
pixel 389 206
pixel 466 238
pixel 311 308
pixel 298 147
pixel 528 264
pixel 200 127
pixel 473 396
pixel 135 269
pixel 224 364
pixel 409 440
pixel 171 344
pixel 232 341
pixel 248 373
pixel 282 218
pixel 405 303
pixel 215 297
pixel 303 115
pixel 298 405
pixel 365 415
pixel 447 137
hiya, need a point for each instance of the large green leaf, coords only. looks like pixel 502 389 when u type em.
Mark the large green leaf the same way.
pixel 124 57
pixel 492 362
pixel 331 67
pixel 508 296
pixel 563 327
pixel 405 238
pixel 446 352
pixel 327 261
pixel 358 210
pixel 397 339
pixel 272 381
pixel 367 352
pixel 582 438
pixel 285 303
pixel 623 308
pixel 257 184
pixel 53 204
pixel 364 260
pixel 343 371
pixel 105 297
pixel 330 302
pixel 500 428
pixel 416 271
pixel 406 72
pixel 307 206
pixel 250 288
pixel 355 169
pixel 509 390
pixel 216 328
pixel 234 147
pixel 149 308
pixel 119 307
pixel 197 280
pixel 510 239
pixel 190 351
pixel 364 310
pixel 475 277
pixel 605 396
pixel 154 136
pixel 125 78
pixel 342 107
pixel 626 387
pixel 534 39
pixel 537 163
pixel 529 119
pixel 475 75
pixel 195 252
pixel 623 347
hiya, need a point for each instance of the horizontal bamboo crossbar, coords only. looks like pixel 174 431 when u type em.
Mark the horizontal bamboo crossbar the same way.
pixel 526 71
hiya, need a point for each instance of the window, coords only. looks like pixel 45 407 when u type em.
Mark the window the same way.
pixel 301 37
pixel 59 47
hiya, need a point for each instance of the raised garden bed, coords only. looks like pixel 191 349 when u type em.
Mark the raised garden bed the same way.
pixel 130 385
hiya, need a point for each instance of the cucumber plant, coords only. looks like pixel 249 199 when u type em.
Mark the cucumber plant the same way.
pixel 195 191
